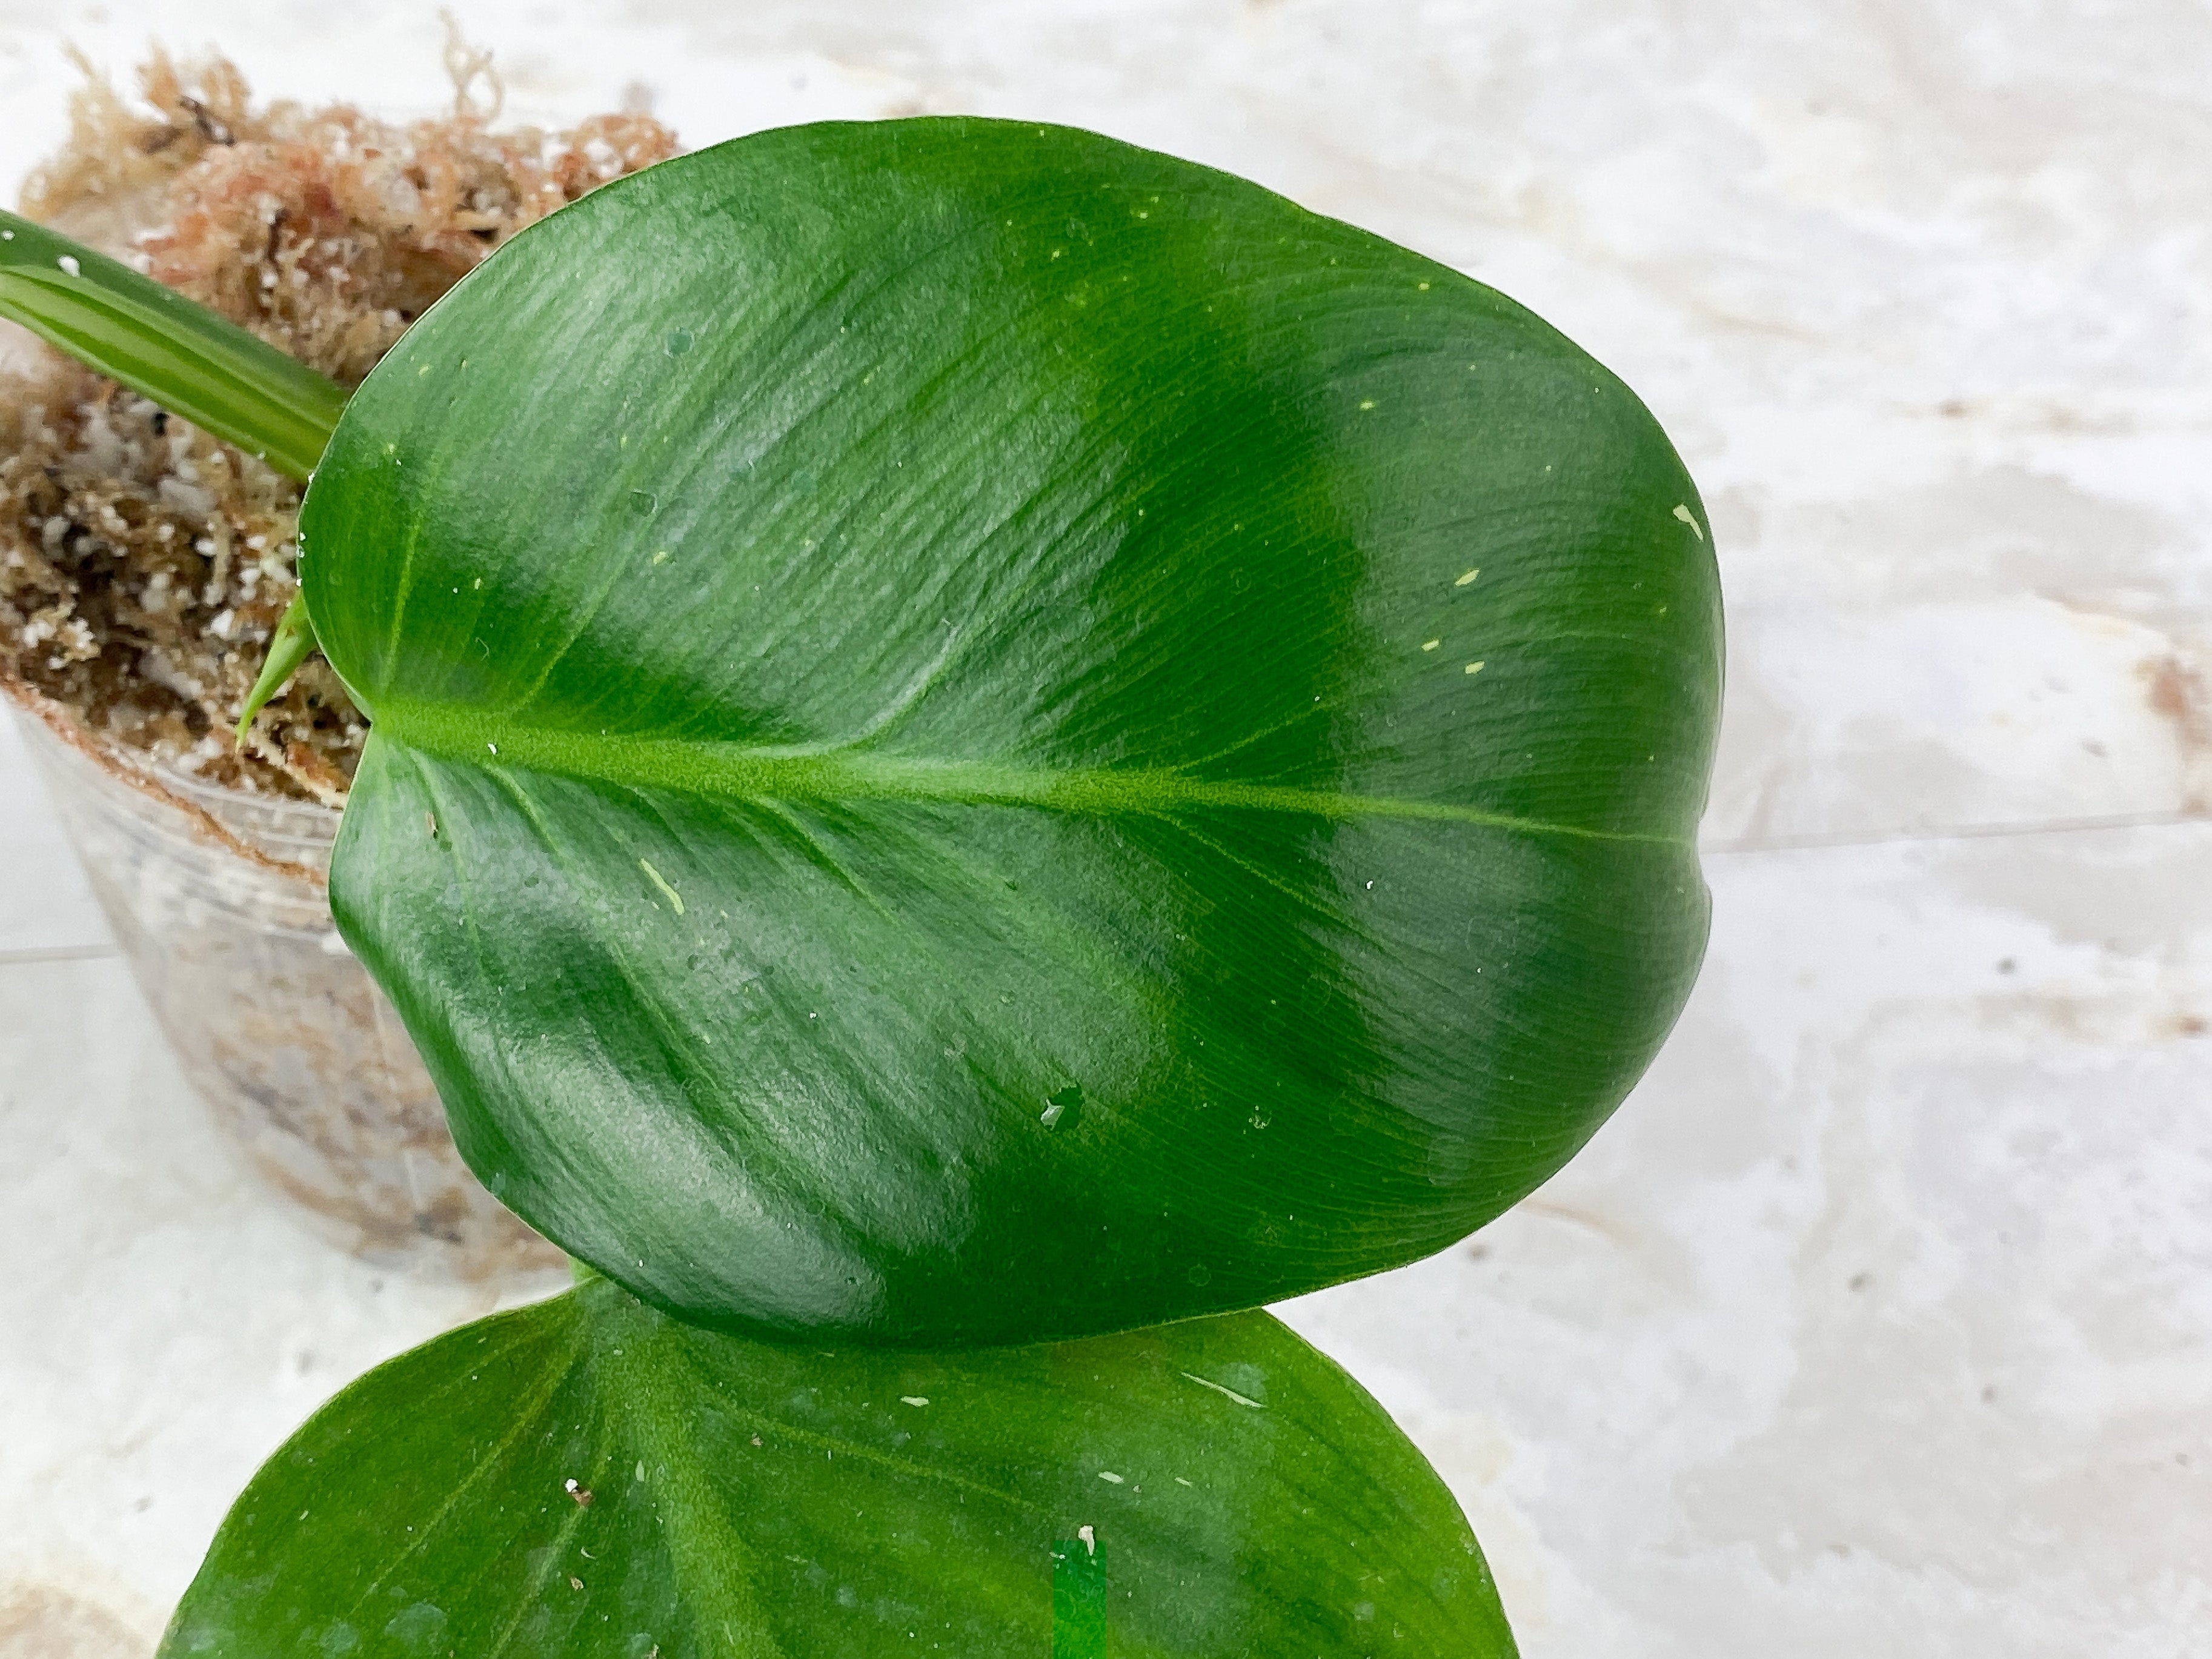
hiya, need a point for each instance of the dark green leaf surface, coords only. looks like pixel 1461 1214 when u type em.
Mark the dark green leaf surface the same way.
pixel 961 705
pixel 588 1477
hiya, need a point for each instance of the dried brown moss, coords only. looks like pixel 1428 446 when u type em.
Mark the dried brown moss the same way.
pixel 143 564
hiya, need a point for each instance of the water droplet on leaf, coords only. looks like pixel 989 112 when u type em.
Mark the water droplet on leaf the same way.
pixel 1061 1106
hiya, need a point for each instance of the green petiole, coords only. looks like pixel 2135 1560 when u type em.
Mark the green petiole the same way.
pixel 187 359
pixel 192 362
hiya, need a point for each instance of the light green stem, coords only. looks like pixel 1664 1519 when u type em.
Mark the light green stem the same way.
pixel 163 346
pixel 188 360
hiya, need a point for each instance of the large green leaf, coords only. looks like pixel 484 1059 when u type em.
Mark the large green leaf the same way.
pixel 590 1477
pixel 980 734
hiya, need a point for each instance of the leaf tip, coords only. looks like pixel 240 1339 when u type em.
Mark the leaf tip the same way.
pixel 292 644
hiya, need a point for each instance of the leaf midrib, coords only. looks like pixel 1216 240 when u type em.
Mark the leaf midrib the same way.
pixel 748 772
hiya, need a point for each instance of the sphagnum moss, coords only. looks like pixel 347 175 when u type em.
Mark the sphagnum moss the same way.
pixel 144 565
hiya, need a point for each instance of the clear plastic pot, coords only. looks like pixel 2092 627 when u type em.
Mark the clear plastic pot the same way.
pixel 217 899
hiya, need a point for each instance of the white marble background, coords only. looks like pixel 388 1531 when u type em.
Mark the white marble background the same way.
pixel 1879 1321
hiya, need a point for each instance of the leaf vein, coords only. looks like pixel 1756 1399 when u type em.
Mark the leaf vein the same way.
pixel 755 773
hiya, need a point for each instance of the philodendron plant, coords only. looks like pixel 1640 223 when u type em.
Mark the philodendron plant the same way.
pixel 989 748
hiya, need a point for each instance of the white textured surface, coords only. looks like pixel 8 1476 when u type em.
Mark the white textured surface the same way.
pixel 1881 1319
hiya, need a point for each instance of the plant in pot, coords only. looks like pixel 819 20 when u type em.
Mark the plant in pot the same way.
pixel 986 750
pixel 144 565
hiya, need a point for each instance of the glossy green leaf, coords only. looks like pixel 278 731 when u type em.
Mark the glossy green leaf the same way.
pixel 163 346
pixel 588 1477
pixel 981 734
